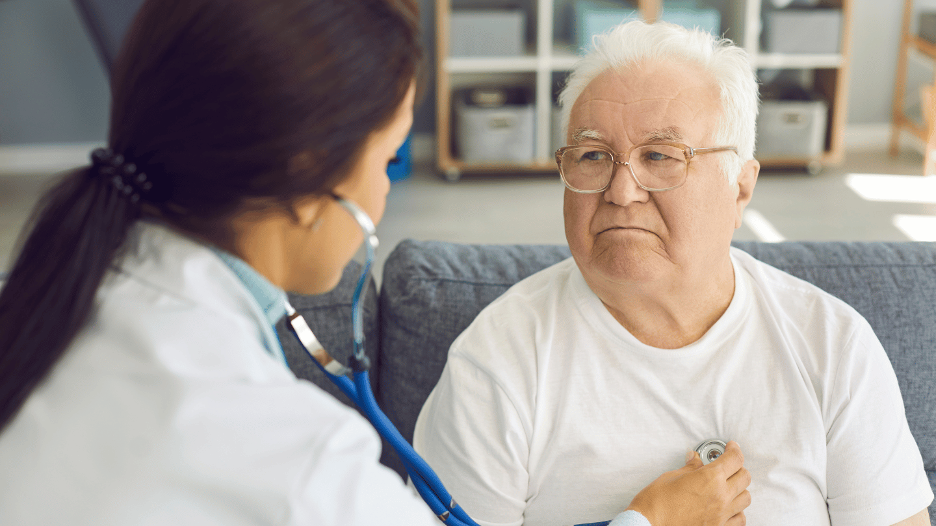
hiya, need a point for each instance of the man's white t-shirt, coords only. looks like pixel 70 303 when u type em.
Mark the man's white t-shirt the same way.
pixel 549 412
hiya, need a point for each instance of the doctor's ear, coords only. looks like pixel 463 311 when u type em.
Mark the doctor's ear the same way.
pixel 307 211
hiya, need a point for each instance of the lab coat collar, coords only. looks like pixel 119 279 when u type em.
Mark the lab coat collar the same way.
pixel 272 299
pixel 178 263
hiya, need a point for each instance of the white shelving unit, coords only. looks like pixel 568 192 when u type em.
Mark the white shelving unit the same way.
pixel 828 74
pixel 547 57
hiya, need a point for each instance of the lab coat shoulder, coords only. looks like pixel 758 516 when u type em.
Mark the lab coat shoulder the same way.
pixel 169 409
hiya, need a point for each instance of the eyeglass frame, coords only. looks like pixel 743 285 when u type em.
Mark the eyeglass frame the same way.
pixel 688 151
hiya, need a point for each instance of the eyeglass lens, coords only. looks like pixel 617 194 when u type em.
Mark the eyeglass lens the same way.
pixel 655 166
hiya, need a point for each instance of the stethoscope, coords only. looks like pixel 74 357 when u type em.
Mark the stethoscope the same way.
pixel 357 388
pixel 355 383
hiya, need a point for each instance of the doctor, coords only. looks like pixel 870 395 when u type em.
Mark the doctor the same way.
pixel 141 381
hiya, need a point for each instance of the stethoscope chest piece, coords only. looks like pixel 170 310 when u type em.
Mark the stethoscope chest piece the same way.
pixel 710 450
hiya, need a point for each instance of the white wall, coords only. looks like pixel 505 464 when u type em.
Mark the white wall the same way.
pixel 53 88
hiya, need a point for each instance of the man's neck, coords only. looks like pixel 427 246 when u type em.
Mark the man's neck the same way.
pixel 670 314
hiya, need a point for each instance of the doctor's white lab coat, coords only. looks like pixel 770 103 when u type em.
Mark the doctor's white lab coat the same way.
pixel 168 409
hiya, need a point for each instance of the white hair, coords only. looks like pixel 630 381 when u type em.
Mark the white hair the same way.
pixel 636 42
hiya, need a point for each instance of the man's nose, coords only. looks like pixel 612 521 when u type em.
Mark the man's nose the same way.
pixel 624 189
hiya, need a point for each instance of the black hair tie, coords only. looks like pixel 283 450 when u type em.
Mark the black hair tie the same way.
pixel 127 178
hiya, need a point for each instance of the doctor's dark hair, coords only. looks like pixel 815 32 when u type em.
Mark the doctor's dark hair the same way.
pixel 223 104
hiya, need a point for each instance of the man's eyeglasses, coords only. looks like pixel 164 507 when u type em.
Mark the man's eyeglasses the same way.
pixel 656 167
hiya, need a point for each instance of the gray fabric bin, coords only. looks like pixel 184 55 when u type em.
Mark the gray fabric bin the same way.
pixel 496 133
pixel 803 31
pixel 791 128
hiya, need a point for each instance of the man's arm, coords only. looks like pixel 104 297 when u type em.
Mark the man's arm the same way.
pixel 920 519
pixel 864 395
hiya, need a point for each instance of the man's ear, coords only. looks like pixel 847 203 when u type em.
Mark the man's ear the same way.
pixel 746 181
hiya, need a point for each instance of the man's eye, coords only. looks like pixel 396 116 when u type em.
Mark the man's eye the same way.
pixel 656 156
pixel 593 155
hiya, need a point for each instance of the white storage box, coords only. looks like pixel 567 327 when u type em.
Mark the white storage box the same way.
pixel 495 125
pixel 487 32
pixel 803 31
pixel 793 129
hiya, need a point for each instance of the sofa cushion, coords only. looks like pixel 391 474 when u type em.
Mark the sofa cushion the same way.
pixel 432 290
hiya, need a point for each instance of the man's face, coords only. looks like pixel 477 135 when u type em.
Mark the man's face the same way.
pixel 630 235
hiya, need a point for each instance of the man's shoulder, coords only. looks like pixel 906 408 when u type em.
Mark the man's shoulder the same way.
pixel 524 307
pixel 793 298
pixel 541 286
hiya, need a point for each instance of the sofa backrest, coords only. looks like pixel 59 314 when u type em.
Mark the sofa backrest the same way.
pixel 329 317
pixel 431 291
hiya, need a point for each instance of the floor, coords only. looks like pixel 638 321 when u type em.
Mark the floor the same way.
pixel 841 203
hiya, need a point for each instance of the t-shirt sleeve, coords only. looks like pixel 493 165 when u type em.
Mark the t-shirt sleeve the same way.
pixel 471 434
pixel 875 473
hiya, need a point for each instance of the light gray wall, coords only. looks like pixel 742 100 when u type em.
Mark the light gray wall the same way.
pixel 876 26
pixel 53 87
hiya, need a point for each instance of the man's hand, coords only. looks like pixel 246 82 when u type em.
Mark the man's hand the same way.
pixel 708 495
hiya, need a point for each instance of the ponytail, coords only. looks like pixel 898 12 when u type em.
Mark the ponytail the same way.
pixel 216 100
pixel 78 228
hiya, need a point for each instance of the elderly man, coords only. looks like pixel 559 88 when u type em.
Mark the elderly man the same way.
pixel 584 382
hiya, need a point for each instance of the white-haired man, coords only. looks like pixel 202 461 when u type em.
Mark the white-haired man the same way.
pixel 584 382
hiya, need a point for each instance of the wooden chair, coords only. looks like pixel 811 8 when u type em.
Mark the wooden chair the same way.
pixel 928 95
pixel 925 132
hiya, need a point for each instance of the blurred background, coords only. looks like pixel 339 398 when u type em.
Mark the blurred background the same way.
pixel 844 129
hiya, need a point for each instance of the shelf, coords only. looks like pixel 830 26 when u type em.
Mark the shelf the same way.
pixel 804 61
pixel 525 63
pixel 563 57
pixel 545 59
pixel 522 64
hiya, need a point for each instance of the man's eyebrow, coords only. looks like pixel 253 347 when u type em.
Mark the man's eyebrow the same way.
pixel 665 134
pixel 582 134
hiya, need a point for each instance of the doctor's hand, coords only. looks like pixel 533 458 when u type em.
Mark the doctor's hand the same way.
pixel 714 494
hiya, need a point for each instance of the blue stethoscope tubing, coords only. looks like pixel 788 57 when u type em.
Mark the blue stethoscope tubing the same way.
pixel 357 387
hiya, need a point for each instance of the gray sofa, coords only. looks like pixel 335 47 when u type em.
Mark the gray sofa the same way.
pixel 431 291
